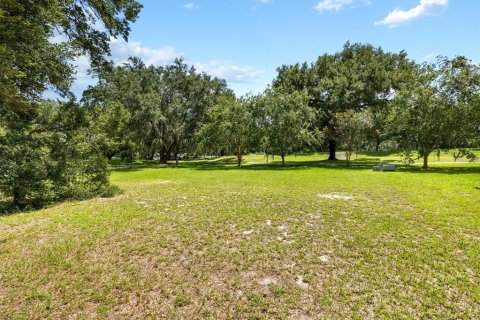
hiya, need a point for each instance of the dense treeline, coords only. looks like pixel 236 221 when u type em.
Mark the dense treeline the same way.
pixel 143 111
pixel 360 98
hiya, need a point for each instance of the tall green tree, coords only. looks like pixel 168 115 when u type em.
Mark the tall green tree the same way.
pixel 163 106
pixel 439 108
pixel 53 156
pixel 358 77
pixel 31 62
pixel 352 128
pixel 289 123
pixel 232 125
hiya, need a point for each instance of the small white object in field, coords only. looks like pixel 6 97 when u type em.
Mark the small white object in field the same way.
pixel 269 222
pixel 248 232
pixel 281 228
pixel 301 283
pixel 325 258
pixel 335 197
pixel 268 280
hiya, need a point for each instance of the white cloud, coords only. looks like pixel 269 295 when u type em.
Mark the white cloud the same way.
pixel 337 5
pixel 122 50
pixel 228 71
pixel 399 16
pixel 332 5
pixel 264 1
pixel 190 6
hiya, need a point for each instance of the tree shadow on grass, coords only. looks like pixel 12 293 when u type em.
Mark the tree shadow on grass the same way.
pixel 333 165
pixel 8 208
pixel 227 164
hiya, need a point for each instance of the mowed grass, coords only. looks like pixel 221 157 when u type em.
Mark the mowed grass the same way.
pixel 210 241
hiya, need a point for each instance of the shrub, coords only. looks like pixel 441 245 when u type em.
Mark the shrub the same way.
pixel 50 154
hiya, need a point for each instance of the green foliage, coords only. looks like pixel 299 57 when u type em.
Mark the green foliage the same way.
pixel 53 155
pixel 30 62
pixel 464 153
pixel 289 123
pixel 358 77
pixel 232 126
pixel 48 150
pixel 149 110
pixel 438 108
pixel 352 130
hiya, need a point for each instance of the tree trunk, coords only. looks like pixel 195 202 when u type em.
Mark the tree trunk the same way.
pixel 332 145
pixel 283 160
pixel 377 144
pixel 426 153
pixel 165 154
pixel 150 152
pixel 239 160
pixel 19 197
pixel 176 158
pixel 164 157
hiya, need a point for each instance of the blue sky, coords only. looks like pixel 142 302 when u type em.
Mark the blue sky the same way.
pixel 244 41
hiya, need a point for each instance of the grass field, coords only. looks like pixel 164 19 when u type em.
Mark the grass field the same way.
pixel 209 241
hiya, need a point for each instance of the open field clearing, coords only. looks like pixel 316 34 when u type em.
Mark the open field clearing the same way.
pixel 209 241
pixel 233 160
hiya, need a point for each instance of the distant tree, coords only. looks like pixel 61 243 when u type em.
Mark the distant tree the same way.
pixel 357 78
pixel 163 106
pixel 289 123
pixel 352 129
pixel 439 108
pixel 462 152
pixel 231 125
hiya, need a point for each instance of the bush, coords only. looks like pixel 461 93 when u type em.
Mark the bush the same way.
pixel 51 154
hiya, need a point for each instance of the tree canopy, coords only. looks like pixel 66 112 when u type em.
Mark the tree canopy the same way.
pixel 439 108
pixel 47 149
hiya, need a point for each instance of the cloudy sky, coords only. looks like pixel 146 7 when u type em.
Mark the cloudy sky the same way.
pixel 244 41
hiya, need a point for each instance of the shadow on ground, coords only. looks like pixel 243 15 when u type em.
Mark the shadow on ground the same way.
pixel 360 164
pixel 6 207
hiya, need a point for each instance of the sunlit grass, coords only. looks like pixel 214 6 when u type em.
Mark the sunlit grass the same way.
pixel 208 240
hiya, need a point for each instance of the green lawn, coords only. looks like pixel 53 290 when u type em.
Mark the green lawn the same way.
pixel 313 241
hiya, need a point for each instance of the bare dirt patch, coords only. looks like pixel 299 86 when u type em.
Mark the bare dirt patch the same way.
pixel 333 196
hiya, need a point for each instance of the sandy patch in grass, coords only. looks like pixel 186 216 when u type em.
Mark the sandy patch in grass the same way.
pixel 324 259
pixel 247 232
pixel 267 281
pixel 163 182
pixel 332 196
pixel 299 281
